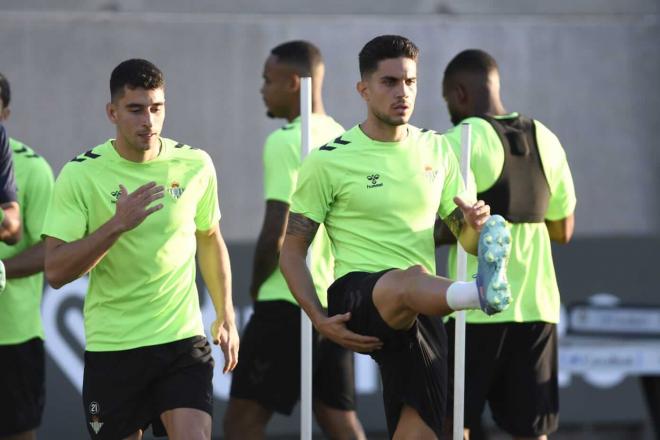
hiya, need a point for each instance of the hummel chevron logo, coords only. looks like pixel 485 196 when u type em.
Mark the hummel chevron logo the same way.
pixel 373 179
pixel 340 141
pixel 88 154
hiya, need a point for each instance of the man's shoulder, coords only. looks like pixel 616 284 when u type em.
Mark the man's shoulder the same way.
pixel 283 137
pixel 26 158
pixel 180 150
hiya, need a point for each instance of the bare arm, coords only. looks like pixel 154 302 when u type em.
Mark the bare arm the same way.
pixel 442 234
pixel 10 227
pixel 66 262
pixel 561 231
pixel 299 235
pixel 214 265
pixel 269 243
pixel 27 263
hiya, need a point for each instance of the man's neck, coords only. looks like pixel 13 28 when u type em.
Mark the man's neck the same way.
pixel 490 106
pixel 317 108
pixel 381 131
pixel 135 155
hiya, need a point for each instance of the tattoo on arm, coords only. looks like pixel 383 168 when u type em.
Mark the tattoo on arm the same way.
pixel 455 222
pixel 302 227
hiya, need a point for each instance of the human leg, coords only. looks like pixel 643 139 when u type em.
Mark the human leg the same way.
pixel 525 399
pixel 245 419
pixel 401 294
pixel 267 379
pixel 26 435
pixel 22 389
pixel 334 391
pixel 411 426
pixel 412 362
pixel 187 424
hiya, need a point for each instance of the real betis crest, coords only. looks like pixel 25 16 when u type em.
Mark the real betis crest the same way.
pixel 175 190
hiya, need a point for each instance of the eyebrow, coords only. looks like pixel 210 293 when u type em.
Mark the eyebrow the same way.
pixel 136 105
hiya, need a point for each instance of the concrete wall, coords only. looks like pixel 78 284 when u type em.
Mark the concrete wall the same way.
pixel 510 7
pixel 591 79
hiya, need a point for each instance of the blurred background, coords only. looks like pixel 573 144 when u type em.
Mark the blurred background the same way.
pixel 588 69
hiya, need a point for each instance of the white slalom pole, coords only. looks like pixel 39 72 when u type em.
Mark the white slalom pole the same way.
pixel 461 263
pixel 305 322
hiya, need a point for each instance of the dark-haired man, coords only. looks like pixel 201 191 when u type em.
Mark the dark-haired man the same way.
pixel 22 371
pixel 268 378
pixel 378 189
pixel 521 171
pixel 133 212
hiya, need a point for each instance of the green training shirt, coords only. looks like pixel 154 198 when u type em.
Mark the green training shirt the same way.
pixel 143 291
pixel 281 164
pixel 20 303
pixel 531 271
pixel 379 200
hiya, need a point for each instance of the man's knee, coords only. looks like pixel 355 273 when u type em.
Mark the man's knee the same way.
pixel 245 419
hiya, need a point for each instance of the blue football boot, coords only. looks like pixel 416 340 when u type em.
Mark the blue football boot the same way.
pixel 494 251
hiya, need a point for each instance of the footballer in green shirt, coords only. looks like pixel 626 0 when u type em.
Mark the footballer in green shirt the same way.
pixel 378 189
pixel 22 370
pixel 133 212
pixel 521 171
pixel 267 379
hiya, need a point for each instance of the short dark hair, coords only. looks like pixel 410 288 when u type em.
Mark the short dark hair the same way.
pixel 5 91
pixel 135 73
pixel 471 61
pixel 385 47
pixel 300 54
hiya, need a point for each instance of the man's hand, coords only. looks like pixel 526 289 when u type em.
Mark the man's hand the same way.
pixel 334 328
pixel 226 336
pixel 132 208
pixel 474 215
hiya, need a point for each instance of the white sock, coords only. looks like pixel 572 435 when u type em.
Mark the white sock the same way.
pixel 463 295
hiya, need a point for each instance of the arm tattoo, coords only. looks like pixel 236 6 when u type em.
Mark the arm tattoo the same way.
pixel 301 226
pixel 455 222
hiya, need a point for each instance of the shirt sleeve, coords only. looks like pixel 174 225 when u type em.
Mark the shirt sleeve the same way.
pixel 208 207
pixel 67 217
pixel 281 162
pixel 558 174
pixel 453 182
pixel 7 177
pixel 314 194
pixel 38 193
pixel 562 193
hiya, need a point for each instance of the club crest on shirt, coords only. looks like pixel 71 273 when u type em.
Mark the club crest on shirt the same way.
pixel 175 190
pixel 373 180
pixel 96 423
pixel 430 173
pixel 115 196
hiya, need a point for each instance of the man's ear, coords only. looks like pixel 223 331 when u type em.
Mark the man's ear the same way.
pixel 294 83
pixel 111 112
pixel 461 93
pixel 4 114
pixel 362 89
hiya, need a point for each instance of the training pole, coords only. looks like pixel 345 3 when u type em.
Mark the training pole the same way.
pixel 461 270
pixel 305 322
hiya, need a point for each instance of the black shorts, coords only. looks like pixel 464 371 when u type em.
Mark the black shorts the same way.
pixel 22 386
pixel 269 367
pixel 513 367
pixel 128 390
pixel 412 363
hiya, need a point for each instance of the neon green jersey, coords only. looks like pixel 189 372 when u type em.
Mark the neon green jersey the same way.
pixel 20 311
pixel 530 271
pixel 281 164
pixel 379 200
pixel 143 291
